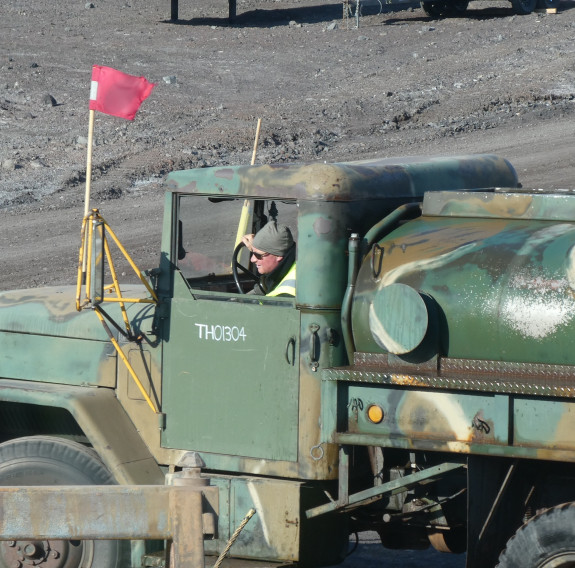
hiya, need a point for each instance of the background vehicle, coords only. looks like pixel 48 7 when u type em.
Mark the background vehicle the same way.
pixel 454 8
pixel 419 384
pixel 434 8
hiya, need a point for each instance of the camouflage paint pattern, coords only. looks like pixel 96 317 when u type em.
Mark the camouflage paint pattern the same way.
pixel 279 529
pixel 334 200
pixel 392 178
pixel 495 274
pixel 498 288
pixel 44 338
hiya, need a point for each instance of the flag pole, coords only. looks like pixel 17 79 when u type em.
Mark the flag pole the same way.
pixel 247 208
pixel 89 163
pixel 88 184
pixel 258 128
pixel 116 93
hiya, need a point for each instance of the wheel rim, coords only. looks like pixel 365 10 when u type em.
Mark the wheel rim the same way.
pixel 561 560
pixel 46 553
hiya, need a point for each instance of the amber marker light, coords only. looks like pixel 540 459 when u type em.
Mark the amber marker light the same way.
pixel 375 413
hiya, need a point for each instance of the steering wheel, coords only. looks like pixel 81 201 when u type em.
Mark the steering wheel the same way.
pixel 237 267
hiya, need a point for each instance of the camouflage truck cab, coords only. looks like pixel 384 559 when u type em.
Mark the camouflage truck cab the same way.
pixel 343 408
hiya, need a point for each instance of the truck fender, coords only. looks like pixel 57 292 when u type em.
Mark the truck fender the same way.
pixel 103 421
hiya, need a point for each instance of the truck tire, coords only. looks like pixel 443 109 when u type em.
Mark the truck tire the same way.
pixel 444 8
pixel 42 460
pixel 523 7
pixel 545 541
pixel 544 4
pixel 458 7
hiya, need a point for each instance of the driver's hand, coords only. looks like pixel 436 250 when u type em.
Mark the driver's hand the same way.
pixel 248 241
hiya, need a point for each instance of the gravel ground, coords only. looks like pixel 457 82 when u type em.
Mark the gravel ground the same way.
pixel 400 84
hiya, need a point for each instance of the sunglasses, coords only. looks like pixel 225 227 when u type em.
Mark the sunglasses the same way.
pixel 259 255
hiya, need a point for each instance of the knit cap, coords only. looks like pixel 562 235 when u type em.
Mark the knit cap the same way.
pixel 273 239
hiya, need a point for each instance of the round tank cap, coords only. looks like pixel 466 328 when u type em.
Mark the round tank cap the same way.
pixel 398 318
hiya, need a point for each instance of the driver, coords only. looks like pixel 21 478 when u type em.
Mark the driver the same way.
pixel 273 253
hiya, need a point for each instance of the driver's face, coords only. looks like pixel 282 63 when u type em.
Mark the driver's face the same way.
pixel 264 261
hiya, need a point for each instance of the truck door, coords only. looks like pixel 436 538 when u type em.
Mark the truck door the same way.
pixel 230 360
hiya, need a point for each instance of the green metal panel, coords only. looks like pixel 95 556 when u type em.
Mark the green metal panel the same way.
pixel 279 530
pixel 101 417
pixel 48 311
pixel 420 416
pixel 230 380
pixel 545 424
pixel 57 360
pixel 429 415
pixel 322 260
pixel 276 527
pixel 44 338
pixel 330 412
pixel 534 204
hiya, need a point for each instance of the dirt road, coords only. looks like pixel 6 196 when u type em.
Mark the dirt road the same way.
pixel 399 84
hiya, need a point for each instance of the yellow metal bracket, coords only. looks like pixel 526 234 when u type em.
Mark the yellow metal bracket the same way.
pixel 94 252
pixel 90 227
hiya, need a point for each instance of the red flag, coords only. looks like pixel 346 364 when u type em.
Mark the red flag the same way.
pixel 117 93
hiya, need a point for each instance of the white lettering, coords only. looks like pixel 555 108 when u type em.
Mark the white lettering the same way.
pixel 217 332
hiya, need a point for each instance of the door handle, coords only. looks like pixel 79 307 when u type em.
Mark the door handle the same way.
pixel 314 347
pixel 290 350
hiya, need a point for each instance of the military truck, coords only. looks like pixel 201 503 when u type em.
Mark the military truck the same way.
pixel 420 384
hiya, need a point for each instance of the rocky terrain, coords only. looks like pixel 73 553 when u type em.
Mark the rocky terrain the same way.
pixel 399 84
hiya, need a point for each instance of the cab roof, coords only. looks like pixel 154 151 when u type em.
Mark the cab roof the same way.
pixel 389 178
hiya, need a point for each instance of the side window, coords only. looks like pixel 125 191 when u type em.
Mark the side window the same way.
pixel 207 236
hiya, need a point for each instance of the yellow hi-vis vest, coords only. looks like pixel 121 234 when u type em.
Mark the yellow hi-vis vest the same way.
pixel 286 286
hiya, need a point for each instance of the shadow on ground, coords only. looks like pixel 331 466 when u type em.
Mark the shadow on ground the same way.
pixel 269 18
pixel 301 14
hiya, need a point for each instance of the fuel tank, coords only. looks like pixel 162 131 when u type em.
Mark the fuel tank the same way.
pixel 486 275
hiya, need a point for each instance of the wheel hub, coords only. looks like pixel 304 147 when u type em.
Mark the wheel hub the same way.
pixel 44 553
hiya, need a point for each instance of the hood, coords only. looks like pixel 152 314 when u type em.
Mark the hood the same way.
pixel 44 339
pixel 52 311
